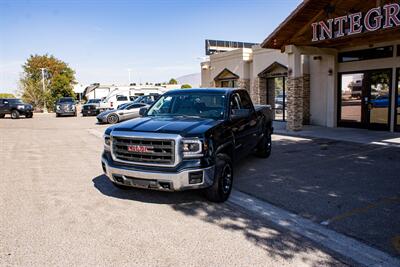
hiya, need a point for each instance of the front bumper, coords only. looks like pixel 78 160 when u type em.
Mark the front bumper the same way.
pixel 90 112
pixel 102 119
pixel 65 113
pixel 168 181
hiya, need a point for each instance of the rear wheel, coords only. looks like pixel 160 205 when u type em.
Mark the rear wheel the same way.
pixel 112 119
pixel 14 114
pixel 223 180
pixel 264 147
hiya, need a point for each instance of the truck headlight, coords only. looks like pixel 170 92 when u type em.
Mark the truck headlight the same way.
pixel 192 148
pixel 107 142
pixel 21 106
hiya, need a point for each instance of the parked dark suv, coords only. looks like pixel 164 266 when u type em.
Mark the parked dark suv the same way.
pixel 15 107
pixel 66 106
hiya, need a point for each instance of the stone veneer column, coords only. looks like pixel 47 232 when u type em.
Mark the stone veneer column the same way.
pixel 262 84
pixel 244 84
pixel 306 99
pixel 294 94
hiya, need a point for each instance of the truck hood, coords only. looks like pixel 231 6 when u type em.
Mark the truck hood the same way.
pixel 185 126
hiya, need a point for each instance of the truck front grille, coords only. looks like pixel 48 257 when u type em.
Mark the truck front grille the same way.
pixel 144 151
pixel 89 107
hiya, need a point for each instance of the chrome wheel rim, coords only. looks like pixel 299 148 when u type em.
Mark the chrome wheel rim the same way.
pixel 112 119
pixel 226 178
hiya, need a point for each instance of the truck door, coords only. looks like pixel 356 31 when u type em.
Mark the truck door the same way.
pixel 4 106
pixel 253 126
pixel 241 125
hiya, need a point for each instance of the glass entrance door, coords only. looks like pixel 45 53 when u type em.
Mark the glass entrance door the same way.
pixel 377 99
pixel 364 100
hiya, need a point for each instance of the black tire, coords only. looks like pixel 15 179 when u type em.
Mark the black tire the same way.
pixel 264 147
pixel 14 114
pixel 57 115
pixel 112 119
pixel 120 186
pixel 223 180
pixel 28 116
pixel 2 116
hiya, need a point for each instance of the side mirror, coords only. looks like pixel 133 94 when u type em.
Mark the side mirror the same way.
pixel 239 114
pixel 143 111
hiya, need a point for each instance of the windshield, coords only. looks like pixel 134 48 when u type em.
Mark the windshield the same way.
pixel 93 101
pixel 66 100
pixel 203 105
pixel 15 101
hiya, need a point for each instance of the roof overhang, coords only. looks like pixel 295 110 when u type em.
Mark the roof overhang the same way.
pixel 298 29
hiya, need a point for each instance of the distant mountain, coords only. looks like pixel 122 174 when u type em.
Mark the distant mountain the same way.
pixel 193 79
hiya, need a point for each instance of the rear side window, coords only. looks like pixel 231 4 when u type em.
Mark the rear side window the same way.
pixel 245 100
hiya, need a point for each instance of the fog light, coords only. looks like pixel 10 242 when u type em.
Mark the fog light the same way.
pixel 196 177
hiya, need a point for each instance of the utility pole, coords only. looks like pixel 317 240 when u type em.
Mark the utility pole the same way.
pixel 44 91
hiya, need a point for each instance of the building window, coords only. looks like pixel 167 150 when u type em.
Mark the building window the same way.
pixel 227 83
pixel 372 53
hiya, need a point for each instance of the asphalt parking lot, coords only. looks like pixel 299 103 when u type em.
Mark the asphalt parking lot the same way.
pixel 57 209
pixel 351 188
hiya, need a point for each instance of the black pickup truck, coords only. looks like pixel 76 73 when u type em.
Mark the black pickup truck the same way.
pixel 15 107
pixel 188 139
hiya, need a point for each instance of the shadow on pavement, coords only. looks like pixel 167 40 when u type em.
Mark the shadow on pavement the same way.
pixel 277 243
pixel 353 188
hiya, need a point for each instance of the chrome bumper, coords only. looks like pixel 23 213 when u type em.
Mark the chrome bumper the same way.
pixel 157 180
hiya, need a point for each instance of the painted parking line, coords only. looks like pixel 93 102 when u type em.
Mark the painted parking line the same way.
pixel 348 247
pixel 366 208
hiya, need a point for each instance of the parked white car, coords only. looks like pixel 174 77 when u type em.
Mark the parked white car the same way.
pixel 112 102
pixel 125 112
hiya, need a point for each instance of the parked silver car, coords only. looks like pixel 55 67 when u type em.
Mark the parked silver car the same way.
pixel 125 112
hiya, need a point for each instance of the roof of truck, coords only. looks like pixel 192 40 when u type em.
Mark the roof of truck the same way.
pixel 204 90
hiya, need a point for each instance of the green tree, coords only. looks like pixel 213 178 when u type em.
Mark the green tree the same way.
pixel 6 95
pixel 59 81
pixel 173 81
pixel 185 86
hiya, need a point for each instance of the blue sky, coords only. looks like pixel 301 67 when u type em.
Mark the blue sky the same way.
pixel 100 40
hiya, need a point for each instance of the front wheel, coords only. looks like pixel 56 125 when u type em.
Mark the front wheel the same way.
pixel 223 180
pixel 264 147
pixel 112 119
pixel 14 114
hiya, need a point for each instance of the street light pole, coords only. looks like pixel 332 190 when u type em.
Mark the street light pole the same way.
pixel 44 91
pixel 129 74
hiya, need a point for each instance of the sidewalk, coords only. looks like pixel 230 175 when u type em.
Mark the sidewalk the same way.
pixel 361 136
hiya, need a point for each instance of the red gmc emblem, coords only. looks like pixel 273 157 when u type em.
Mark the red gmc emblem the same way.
pixel 140 149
